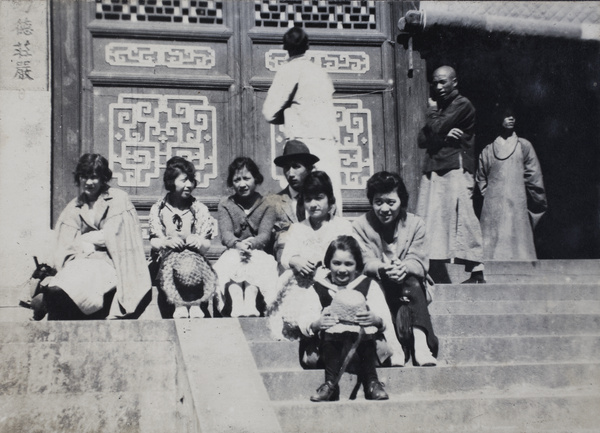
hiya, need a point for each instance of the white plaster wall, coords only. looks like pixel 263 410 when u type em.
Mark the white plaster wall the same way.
pixel 25 140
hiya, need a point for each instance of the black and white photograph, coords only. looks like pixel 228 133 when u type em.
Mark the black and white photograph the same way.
pixel 299 216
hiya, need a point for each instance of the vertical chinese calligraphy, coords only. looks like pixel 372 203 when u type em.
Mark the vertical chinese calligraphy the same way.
pixel 22 49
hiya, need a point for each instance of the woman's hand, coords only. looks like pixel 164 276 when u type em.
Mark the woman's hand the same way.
pixel 395 271
pixel 302 266
pixel 198 243
pixel 245 249
pixel 174 243
pixel 327 320
pixel 95 237
pixel 243 245
pixel 368 318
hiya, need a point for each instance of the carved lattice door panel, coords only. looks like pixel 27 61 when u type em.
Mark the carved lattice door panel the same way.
pixel 163 76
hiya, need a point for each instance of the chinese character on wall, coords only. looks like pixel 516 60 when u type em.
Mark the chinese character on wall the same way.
pixel 22 50
pixel 24 27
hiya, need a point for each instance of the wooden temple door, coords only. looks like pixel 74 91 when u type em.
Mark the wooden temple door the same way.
pixel 140 81
pixel 350 40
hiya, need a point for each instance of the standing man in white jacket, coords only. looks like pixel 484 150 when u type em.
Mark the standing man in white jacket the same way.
pixel 301 98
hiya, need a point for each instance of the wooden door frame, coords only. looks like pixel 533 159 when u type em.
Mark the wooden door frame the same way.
pixel 411 95
pixel 66 100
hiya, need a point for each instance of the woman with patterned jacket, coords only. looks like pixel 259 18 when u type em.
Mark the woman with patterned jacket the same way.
pixel 180 232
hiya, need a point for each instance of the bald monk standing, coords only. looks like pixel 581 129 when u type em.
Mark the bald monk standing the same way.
pixel 446 192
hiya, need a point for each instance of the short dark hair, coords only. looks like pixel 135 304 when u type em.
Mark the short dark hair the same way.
pixel 241 162
pixel 384 182
pixel 90 165
pixel 505 111
pixel 345 243
pixel 175 167
pixel 318 182
pixel 295 41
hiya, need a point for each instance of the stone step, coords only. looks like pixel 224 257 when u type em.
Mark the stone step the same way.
pixel 93 376
pixel 76 367
pixel 550 278
pixel 514 307
pixel 456 351
pixel 478 325
pixel 10 296
pixel 552 271
pixel 563 267
pixel 15 314
pixel 155 411
pixel 298 384
pixel 166 375
pixel 87 331
pixel 457 325
pixel 227 390
pixel 521 410
pixel 516 292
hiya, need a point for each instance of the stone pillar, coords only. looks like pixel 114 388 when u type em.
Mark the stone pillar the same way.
pixel 25 143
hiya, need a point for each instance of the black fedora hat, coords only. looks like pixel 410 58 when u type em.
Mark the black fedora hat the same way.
pixel 295 150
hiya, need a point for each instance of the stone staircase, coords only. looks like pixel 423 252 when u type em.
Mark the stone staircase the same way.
pixel 109 376
pixel 519 354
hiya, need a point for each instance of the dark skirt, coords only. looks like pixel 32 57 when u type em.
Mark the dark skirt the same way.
pixel 408 305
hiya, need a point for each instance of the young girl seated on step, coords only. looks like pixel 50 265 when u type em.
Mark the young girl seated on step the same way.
pixel 302 257
pixel 343 304
pixel 180 232
pixel 247 274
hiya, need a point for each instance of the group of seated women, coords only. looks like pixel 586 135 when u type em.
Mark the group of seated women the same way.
pixel 381 255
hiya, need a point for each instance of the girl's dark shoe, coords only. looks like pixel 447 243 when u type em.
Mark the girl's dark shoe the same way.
pixel 327 392
pixel 374 391
pixel 476 278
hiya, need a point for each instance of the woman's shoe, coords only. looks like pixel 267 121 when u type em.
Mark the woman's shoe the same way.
pixel 422 355
pixel 374 391
pixel 424 360
pixel 475 278
pixel 196 312
pixel 236 293
pixel 249 303
pixel 327 392
pixel 397 360
pixel 181 312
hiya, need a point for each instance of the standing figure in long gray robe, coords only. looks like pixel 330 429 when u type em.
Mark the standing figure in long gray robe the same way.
pixel 446 193
pixel 510 179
